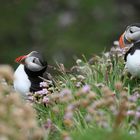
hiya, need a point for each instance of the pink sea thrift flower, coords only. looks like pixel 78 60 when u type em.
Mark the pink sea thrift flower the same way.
pixel 43 84
pixel 68 115
pixel 45 100
pixel 70 107
pixel 133 98
pixel 130 113
pixel 86 88
pixel 65 92
pixel 31 98
pixel 48 124
pixel 42 92
pixel 137 115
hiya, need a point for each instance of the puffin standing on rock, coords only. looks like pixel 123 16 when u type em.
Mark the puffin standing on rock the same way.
pixel 131 39
pixel 27 76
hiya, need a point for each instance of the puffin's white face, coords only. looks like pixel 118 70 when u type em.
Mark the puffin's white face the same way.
pixel 132 33
pixel 33 61
pixel 33 64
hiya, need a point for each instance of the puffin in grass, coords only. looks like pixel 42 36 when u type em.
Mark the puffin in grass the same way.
pixel 30 73
pixel 131 39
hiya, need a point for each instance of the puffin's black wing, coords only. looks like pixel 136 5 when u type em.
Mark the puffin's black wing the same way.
pixel 126 54
pixel 131 51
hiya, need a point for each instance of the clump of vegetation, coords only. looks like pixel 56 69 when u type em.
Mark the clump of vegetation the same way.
pixel 93 97
pixel 17 118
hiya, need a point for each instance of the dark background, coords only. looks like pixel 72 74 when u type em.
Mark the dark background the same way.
pixel 62 29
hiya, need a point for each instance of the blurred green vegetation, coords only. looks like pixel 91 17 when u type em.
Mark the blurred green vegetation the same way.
pixel 61 29
pixel 101 134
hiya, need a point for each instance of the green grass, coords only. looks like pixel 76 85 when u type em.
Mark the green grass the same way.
pixel 100 134
pixel 98 113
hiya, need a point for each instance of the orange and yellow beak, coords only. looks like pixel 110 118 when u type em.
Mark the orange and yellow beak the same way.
pixel 21 59
pixel 121 41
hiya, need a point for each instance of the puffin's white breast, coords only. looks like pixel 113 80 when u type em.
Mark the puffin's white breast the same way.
pixel 21 81
pixel 133 63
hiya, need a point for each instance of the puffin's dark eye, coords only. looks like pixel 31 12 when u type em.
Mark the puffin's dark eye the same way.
pixel 131 31
pixel 34 60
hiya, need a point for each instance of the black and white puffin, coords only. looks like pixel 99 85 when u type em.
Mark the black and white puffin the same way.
pixel 131 39
pixel 27 75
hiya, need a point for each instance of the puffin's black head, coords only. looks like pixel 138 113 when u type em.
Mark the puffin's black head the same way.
pixel 34 61
pixel 134 25
pixel 131 35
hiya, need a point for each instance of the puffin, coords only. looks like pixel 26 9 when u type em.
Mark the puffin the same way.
pixel 131 39
pixel 27 76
